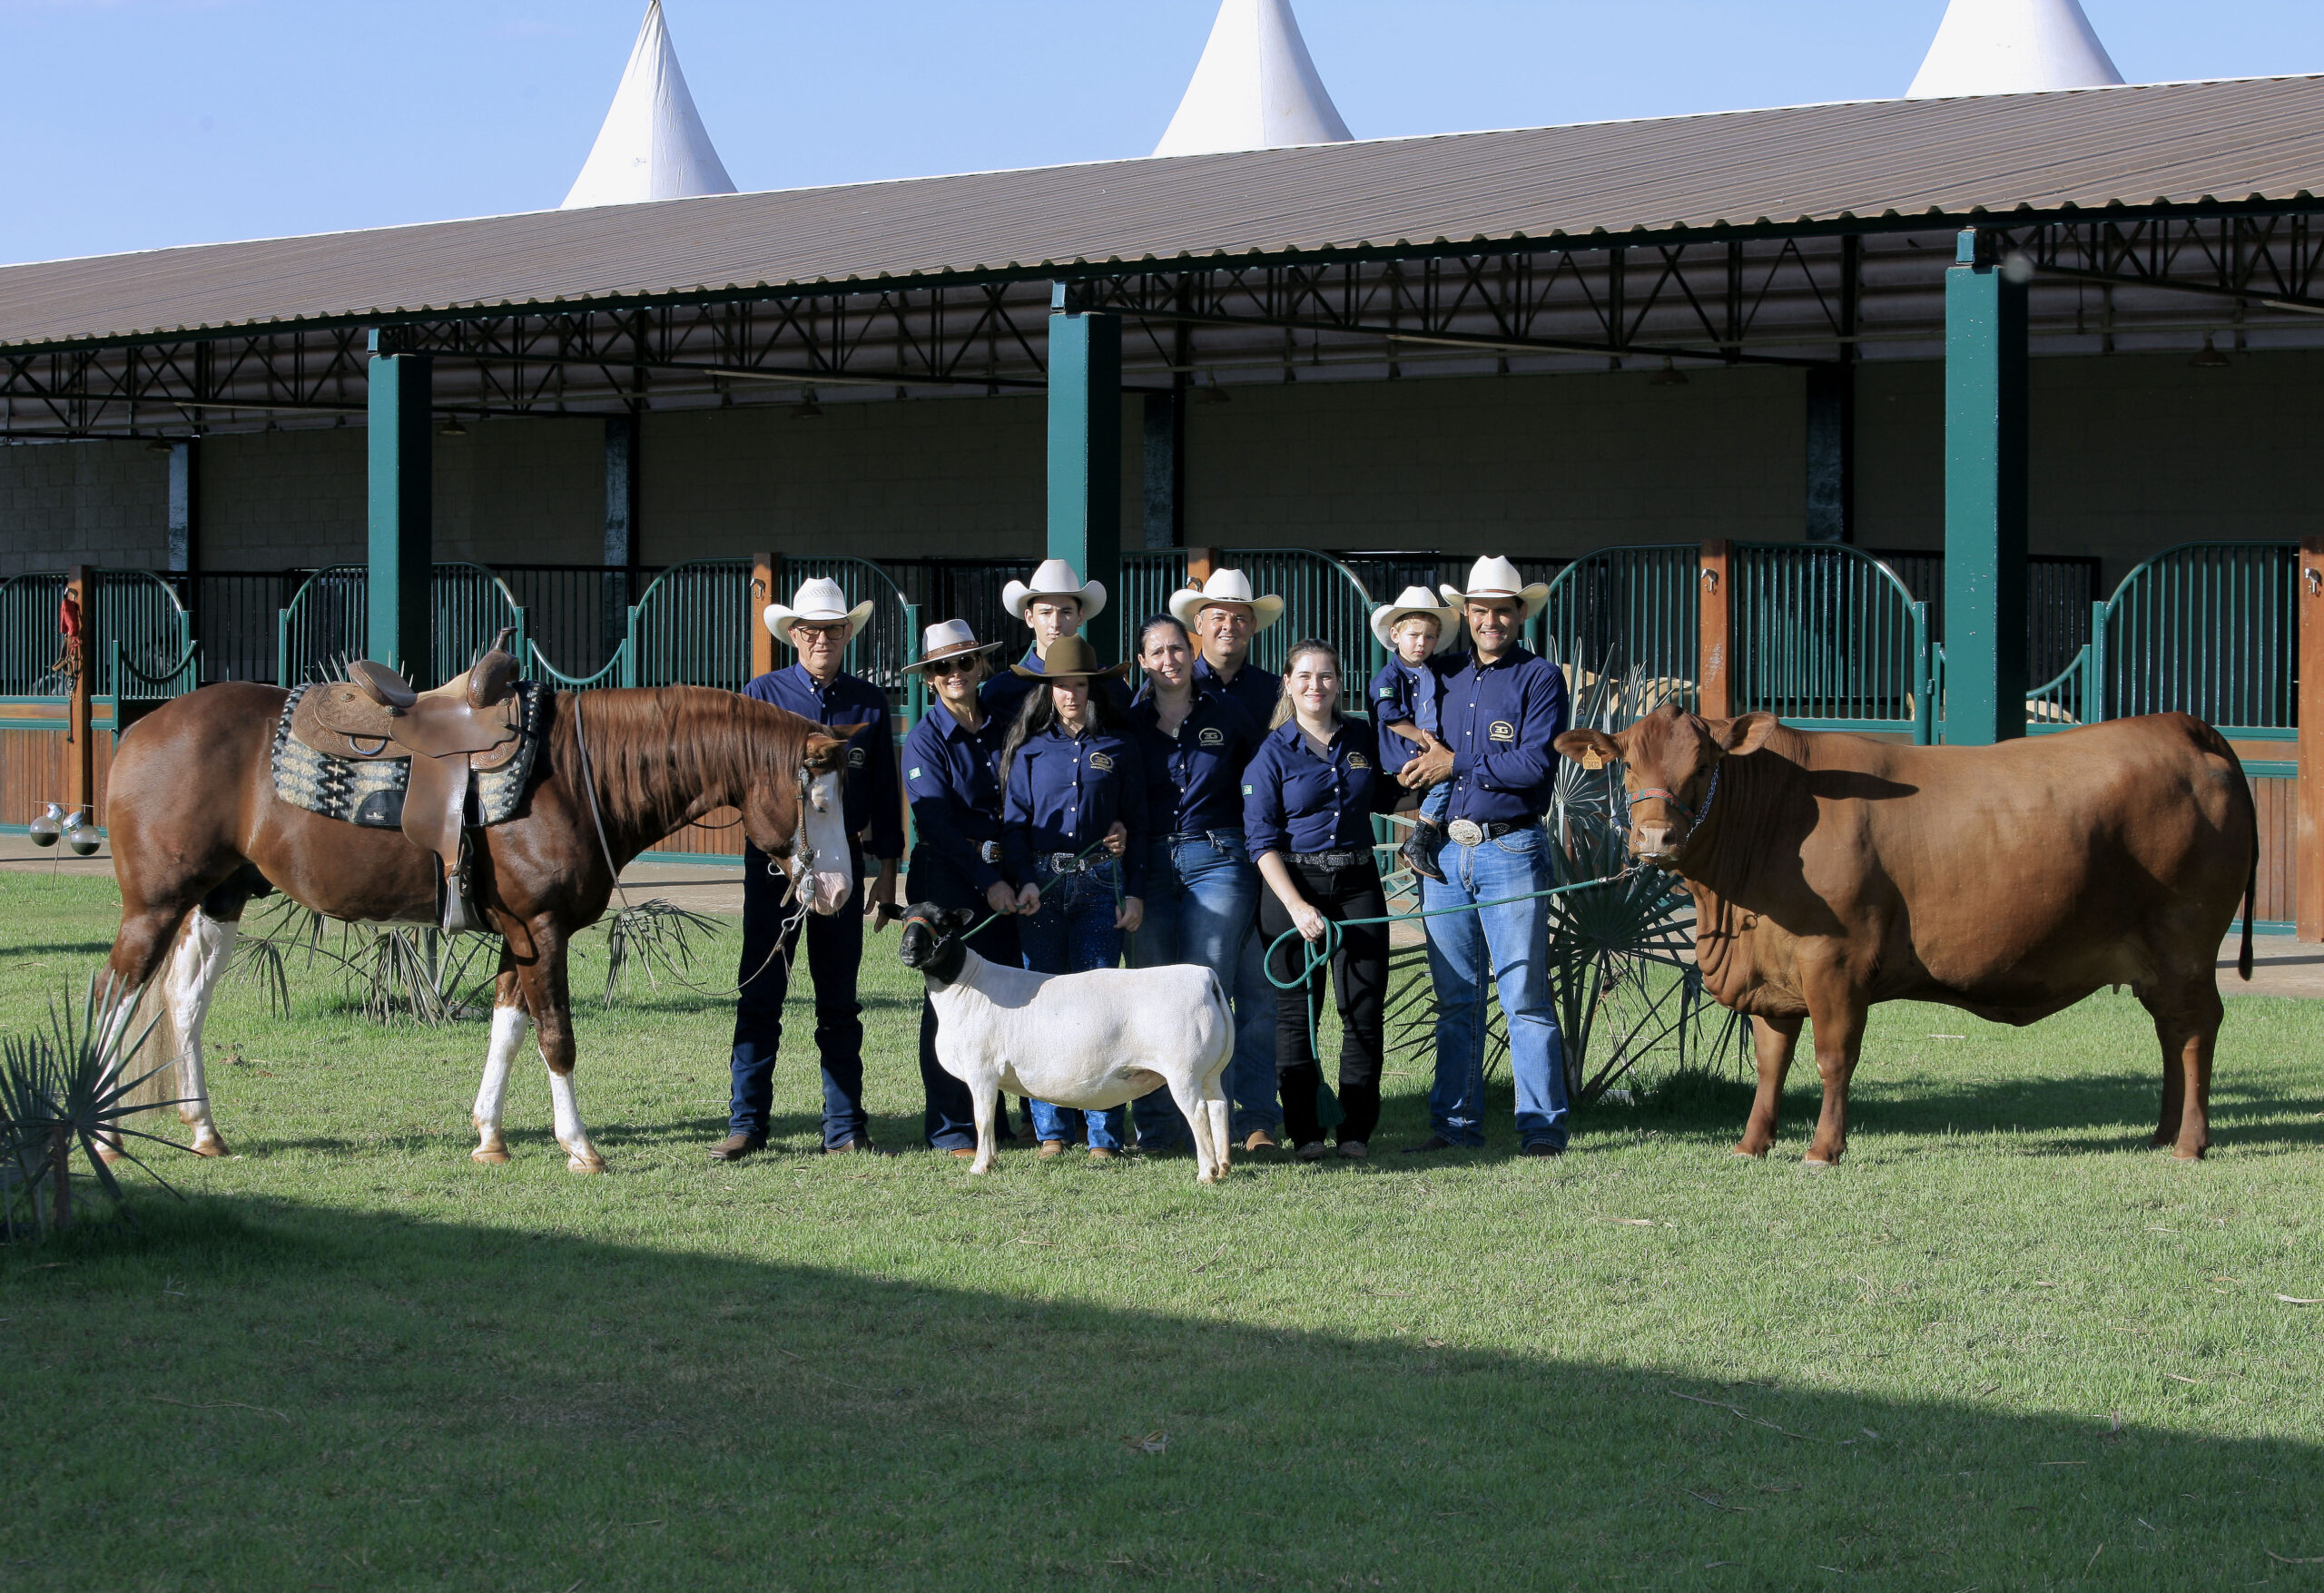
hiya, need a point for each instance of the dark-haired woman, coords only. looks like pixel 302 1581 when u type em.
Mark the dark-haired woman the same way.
pixel 1070 773
pixel 953 777
pixel 1201 891
pixel 1315 784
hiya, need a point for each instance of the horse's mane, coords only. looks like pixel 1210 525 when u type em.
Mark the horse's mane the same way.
pixel 655 750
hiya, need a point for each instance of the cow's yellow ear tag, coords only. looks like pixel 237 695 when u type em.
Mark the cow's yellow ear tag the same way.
pixel 1592 759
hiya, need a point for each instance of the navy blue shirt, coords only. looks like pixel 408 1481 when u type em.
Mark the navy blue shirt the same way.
pixel 1404 694
pixel 1252 686
pixel 868 795
pixel 1499 721
pixel 1295 802
pixel 1194 781
pixel 1064 792
pixel 1004 694
pixel 952 775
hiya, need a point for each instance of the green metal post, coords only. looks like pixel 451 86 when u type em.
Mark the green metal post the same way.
pixel 915 687
pixel 1923 680
pixel 1086 449
pixel 1986 448
pixel 2094 698
pixel 403 468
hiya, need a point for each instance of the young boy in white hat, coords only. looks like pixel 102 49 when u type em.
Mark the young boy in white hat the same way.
pixel 1054 604
pixel 819 622
pixel 1418 635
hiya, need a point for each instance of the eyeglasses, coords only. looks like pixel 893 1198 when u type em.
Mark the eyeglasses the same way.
pixel 955 665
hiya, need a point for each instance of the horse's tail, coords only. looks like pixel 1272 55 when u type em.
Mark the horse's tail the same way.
pixel 153 1062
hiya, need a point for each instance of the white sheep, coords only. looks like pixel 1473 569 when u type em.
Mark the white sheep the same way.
pixel 1088 1040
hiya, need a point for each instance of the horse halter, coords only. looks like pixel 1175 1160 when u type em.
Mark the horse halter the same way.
pixel 1695 816
pixel 803 853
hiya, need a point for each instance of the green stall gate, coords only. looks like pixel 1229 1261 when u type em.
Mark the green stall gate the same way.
pixel 326 625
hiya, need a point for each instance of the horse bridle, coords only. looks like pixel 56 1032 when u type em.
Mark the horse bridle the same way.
pixel 802 852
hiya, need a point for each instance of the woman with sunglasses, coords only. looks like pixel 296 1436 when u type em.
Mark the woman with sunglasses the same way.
pixel 952 775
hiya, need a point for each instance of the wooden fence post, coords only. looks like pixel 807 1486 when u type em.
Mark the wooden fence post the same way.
pixel 80 742
pixel 1201 561
pixel 1714 674
pixel 764 567
pixel 2308 855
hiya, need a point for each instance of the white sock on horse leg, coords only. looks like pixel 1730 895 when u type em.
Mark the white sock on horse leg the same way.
pixel 581 1156
pixel 195 968
pixel 510 1025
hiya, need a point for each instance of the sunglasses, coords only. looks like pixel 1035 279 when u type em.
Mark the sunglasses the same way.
pixel 955 665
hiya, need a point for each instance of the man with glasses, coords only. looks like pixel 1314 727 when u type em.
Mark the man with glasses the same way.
pixel 820 624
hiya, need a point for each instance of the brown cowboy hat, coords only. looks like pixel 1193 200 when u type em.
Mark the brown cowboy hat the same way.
pixel 1070 658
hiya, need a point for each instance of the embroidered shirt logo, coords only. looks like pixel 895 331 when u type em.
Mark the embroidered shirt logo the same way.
pixel 1358 760
pixel 1500 729
pixel 1387 692
pixel 913 775
pixel 856 757
pixel 1247 791
pixel 1099 761
pixel 1212 736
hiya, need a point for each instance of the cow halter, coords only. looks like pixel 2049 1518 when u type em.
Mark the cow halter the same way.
pixel 1695 816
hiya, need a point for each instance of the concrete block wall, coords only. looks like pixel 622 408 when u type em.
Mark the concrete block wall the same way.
pixel 83 503
pixel 2130 454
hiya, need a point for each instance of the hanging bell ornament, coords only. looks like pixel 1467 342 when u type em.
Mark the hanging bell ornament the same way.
pixel 81 836
pixel 46 829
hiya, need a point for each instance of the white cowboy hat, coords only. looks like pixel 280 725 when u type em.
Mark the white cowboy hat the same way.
pixel 948 639
pixel 1225 586
pixel 820 602
pixel 1412 601
pixel 1495 576
pixel 1055 578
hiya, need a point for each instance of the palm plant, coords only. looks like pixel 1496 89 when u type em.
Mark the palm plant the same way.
pixel 68 1088
pixel 651 933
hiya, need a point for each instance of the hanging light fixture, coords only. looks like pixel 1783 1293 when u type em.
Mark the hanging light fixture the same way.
pixel 808 408
pixel 2210 359
pixel 1213 393
pixel 161 444
pixel 452 428
pixel 1670 376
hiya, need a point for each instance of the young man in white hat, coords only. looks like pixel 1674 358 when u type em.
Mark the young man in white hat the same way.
pixel 1054 604
pixel 1501 710
pixel 819 624
pixel 1223 614
pixel 1419 635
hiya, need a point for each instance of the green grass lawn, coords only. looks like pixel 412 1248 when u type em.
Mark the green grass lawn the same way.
pixel 2003 1346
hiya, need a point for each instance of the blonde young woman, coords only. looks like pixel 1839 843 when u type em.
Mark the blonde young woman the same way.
pixel 1312 788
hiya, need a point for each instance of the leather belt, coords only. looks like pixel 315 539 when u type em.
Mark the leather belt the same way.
pixel 1469 832
pixel 1065 862
pixel 988 851
pixel 1209 835
pixel 1332 860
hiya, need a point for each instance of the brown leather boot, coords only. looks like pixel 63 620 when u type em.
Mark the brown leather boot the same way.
pixel 735 1146
pixel 859 1144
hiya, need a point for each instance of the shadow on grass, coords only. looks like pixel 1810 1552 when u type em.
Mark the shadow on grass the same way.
pixel 2084 1112
pixel 301 1397
pixel 61 947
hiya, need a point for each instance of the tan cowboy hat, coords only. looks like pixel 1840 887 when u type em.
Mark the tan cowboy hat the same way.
pixel 1225 586
pixel 948 639
pixel 1495 576
pixel 1055 578
pixel 819 602
pixel 1070 658
pixel 1412 601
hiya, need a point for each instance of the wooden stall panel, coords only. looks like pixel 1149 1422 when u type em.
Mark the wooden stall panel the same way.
pixel 2279 803
pixel 720 835
pixel 32 770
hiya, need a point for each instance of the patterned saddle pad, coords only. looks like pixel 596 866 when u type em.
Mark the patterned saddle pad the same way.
pixel 369 791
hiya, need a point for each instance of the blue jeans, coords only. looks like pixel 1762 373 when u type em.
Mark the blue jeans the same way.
pixel 1437 802
pixel 1073 933
pixel 1512 945
pixel 834 955
pixel 1201 896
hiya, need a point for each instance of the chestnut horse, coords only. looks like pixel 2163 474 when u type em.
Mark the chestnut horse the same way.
pixel 197 832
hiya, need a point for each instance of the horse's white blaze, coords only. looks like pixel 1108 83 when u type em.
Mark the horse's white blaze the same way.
pixel 581 1156
pixel 195 967
pixel 826 832
pixel 509 1026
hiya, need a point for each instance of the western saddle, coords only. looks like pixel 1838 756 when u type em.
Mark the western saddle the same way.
pixel 470 724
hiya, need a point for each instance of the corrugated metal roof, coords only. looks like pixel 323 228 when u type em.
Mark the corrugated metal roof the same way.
pixel 2176 144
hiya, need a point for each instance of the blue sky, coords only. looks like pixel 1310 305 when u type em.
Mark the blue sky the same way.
pixel 137 123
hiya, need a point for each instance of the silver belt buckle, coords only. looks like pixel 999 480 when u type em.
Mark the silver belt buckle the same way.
pixel 1467 832
pixel 988 850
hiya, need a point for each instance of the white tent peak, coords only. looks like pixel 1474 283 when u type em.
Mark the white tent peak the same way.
pixel 1256 88
pixel 653 144
pixel 2013 48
